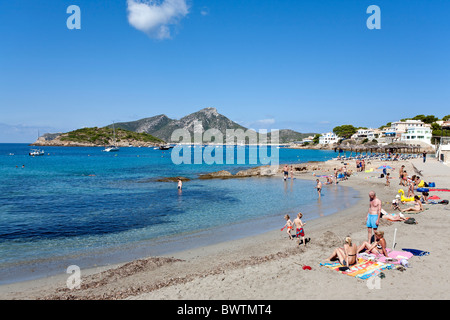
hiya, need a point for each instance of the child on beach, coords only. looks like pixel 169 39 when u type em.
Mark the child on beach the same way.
pixel 396 203
pixel 299 228
pixel 388 183
pixel 289 226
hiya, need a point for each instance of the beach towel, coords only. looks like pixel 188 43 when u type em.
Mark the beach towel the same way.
pixel 397 255
pixel 416 252
pixel 362 270
pixel 440 190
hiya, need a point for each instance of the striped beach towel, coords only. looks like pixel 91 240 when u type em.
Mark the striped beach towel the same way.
pixel 362 270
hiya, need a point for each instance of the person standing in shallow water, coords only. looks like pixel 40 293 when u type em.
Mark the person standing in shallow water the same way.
pixel 285 172
pixel 319 187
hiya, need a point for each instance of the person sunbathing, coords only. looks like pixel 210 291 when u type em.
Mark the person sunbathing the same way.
pixel 345 255
pixel 377 247
pixel 393 217
pixel 418 207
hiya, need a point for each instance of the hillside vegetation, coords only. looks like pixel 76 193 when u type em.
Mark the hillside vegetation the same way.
pixel 105 136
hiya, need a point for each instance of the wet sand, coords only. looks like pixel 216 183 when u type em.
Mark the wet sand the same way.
pixel 269 266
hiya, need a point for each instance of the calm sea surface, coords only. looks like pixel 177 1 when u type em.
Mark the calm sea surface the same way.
pixel 85 207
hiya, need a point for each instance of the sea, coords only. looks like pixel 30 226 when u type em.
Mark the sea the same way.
pixel 85 207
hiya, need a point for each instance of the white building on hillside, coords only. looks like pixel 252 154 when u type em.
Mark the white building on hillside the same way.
pixel 443 151
pixel 403 126
pixel 365 133
pixel 327 138
pixel 417 134
pixel 398 128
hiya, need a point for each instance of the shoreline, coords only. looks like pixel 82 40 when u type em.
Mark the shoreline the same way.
pixel 233 269
pixel 168 244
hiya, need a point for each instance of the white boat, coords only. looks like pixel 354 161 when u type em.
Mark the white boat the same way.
pixel 112 148
pixel 36 152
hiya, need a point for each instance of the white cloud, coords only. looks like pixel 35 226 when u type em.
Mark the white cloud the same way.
pixel 204 11
pixel 154 17
pixel 265 121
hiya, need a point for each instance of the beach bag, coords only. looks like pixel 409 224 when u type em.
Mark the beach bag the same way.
pixel 431 185
pixel 410 221
pixel 443 202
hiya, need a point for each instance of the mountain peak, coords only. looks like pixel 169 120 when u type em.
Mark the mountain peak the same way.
pixel 209 111
pixel 163 127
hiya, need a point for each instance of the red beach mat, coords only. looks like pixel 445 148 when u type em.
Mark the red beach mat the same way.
pixel 443 190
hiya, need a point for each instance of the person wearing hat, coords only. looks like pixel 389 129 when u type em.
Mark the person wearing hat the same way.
pixel 396 203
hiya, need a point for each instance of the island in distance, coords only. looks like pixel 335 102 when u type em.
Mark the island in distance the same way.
pixel 154 131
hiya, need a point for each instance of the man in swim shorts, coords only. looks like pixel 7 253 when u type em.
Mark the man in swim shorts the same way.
pixel 286 172
pixel 373 216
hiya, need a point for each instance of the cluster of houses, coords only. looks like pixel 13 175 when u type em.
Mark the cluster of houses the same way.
pixel 410 132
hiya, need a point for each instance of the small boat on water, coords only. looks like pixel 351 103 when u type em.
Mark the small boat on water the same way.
pixel 36 152
pixel 166 147
pixel 112 148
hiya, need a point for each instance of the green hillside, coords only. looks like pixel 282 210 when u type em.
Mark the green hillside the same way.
pixel 105 136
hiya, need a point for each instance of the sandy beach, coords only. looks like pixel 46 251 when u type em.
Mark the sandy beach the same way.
pixel 269 266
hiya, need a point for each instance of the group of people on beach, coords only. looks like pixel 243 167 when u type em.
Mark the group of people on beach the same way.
pixel 360 165
pixel 375 244
pixel 288 170
pixel 347 255
pixel 299 231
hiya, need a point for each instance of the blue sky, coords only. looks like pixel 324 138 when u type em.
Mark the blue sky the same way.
pixel 303 65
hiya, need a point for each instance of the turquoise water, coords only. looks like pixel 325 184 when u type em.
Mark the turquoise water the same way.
pixel 86 207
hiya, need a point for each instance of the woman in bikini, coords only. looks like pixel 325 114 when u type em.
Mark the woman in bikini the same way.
pixel 346 255
pixel 377 247
pixel 417 206
pixel 392 217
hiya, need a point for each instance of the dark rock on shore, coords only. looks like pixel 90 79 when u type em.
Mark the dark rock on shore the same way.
pixel 214 175
pixel 173 179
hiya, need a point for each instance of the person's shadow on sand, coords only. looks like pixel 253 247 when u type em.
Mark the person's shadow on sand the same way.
pixel 306 240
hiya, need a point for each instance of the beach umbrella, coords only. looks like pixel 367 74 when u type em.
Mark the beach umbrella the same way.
pixel 385 167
